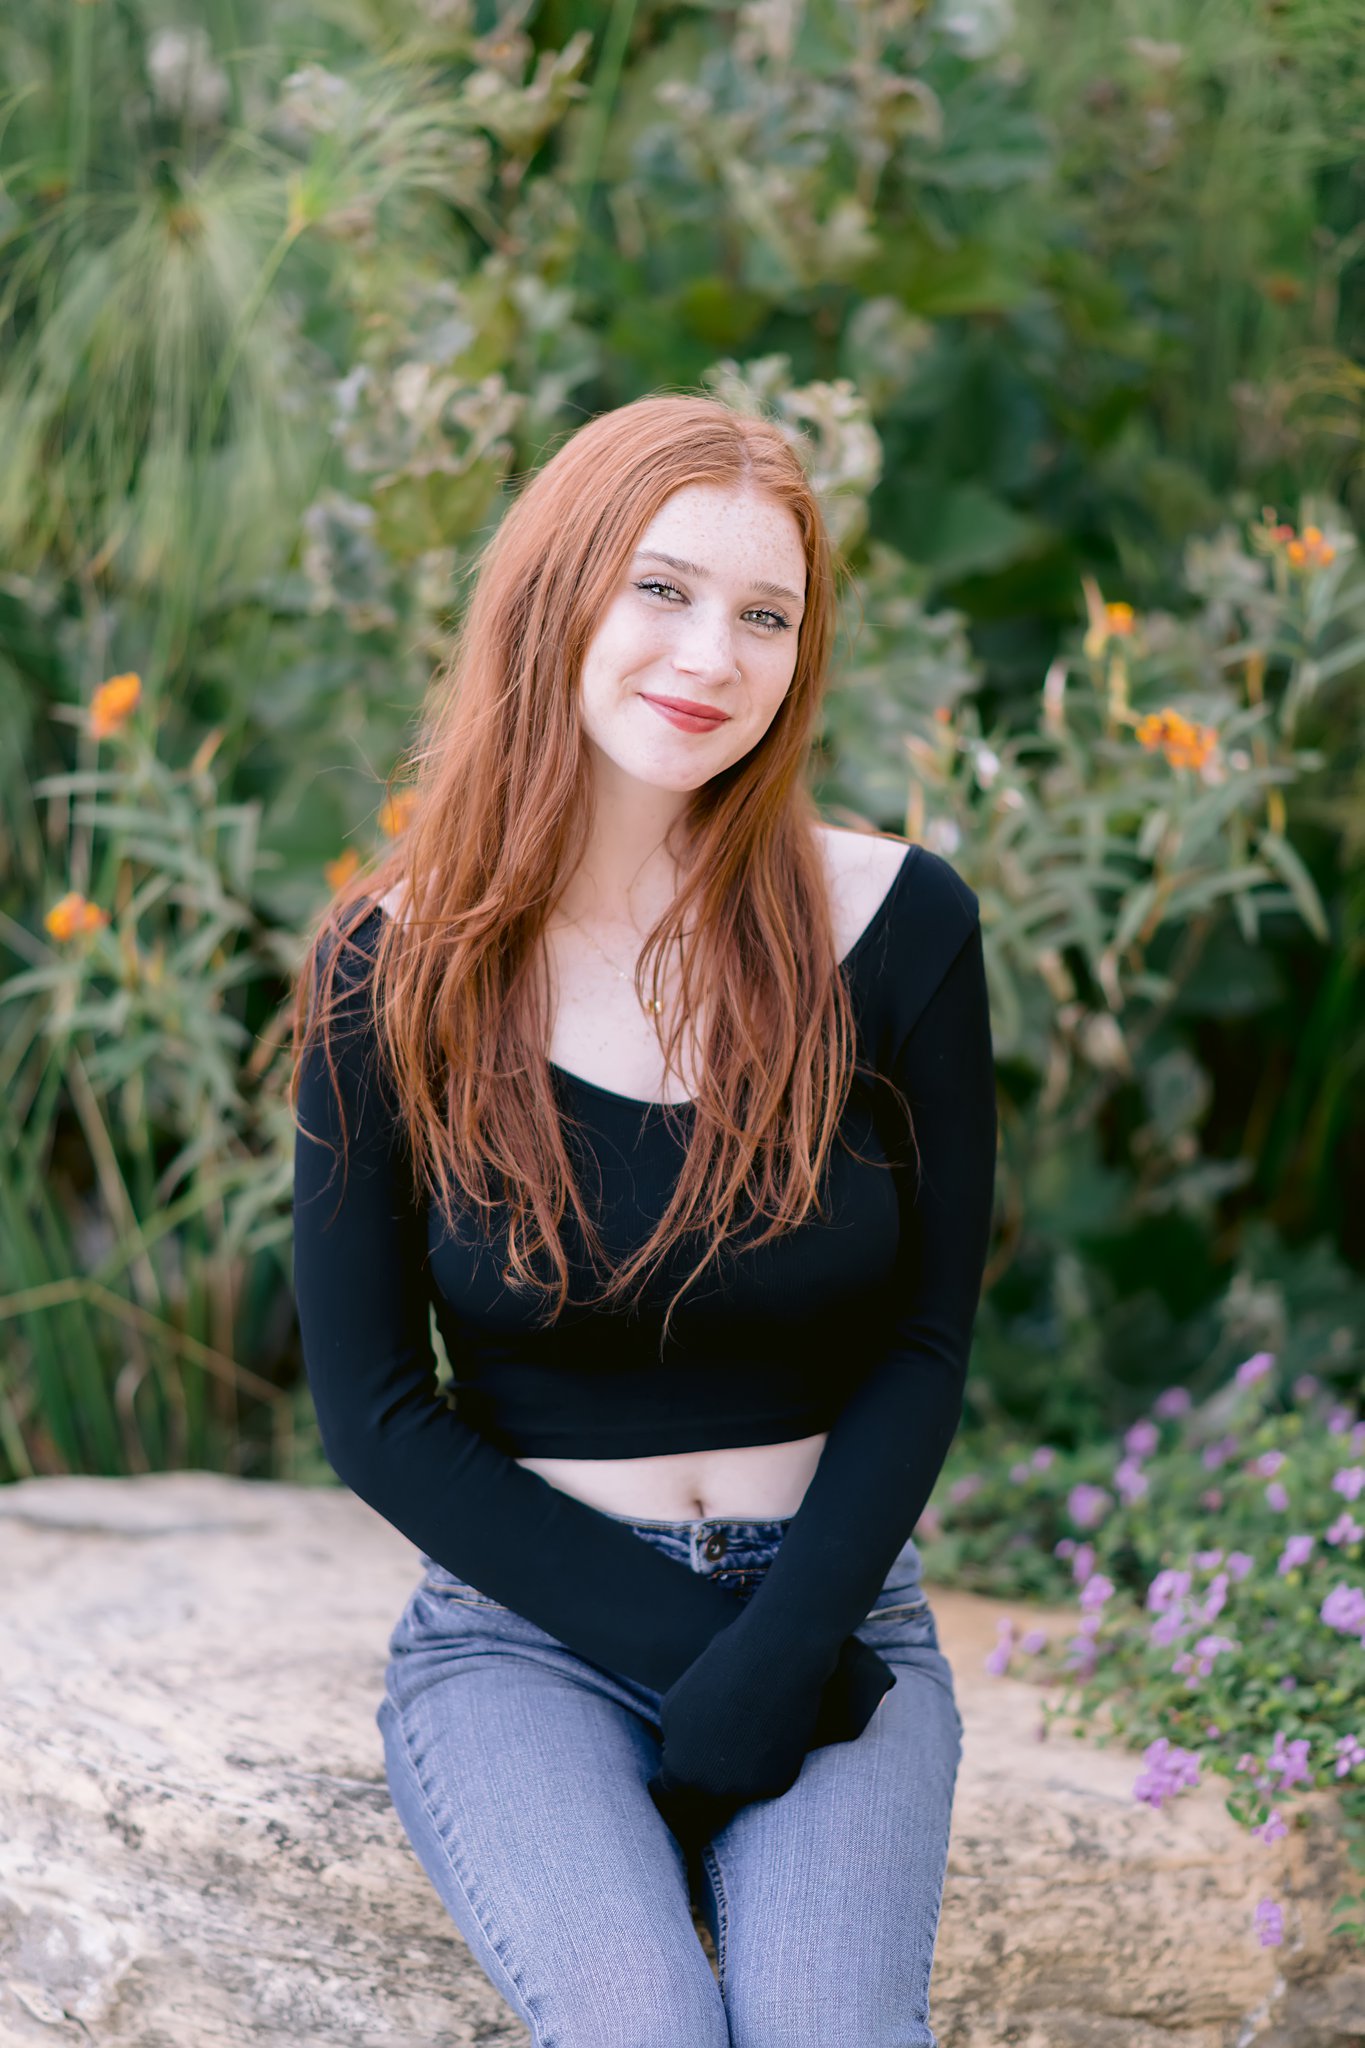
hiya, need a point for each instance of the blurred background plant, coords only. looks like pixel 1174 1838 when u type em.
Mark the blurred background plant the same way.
pixel 1070 319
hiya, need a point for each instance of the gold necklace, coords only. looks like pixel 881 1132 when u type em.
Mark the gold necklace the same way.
pixel 651 1006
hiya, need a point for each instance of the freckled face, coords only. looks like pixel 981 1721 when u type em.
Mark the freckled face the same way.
pixel 682 632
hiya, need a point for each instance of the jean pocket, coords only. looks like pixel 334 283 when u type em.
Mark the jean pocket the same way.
pixel 443 1586
pixel 895 1603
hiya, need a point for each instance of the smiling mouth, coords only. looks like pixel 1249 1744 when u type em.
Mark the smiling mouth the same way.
pixel 685 716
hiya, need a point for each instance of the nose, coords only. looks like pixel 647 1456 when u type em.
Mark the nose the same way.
pixel 707 650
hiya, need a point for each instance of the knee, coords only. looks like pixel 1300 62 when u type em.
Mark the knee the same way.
pixel 634 2023
pixel 649 2006
pixel 791 2019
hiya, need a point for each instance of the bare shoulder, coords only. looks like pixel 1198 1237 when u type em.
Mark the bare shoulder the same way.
pixel 861 867
pixel 392 901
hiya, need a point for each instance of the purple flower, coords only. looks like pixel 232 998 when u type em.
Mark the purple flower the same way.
pixel 1344 1608
pixel 1064 1546
pixel 930 1523
pixel 1131 1480
pixel 1297 1550
pixel 1276 1497
pixel 1305 1386
pixel 1080 1655
pixel 1358 1437
pixel 998 1659
pixel 1267 1465
pixel 1349 1482
pixel 1142 1439
pixel 1254 1368
pixel 1218 1452
pixel 1216 1598
pixel 1212 1732
pixel 1205 1560
pixel 1273 1828
pixel 1269 1924
pixel 1167 1590
pixel 1175 1401
pixel 1083 1563
pixel 1212 1499
pixel 1290 1759
pixel 1088 1505
pixel 1350 1752
pixel 1095 1592
pixel 1167 1627
pixel 1019 1473
pixel 963 1489
pixel 1345 1529
pixel 1338 1421
pixel 1033 1642
pixel 1042 1457
pixel 1168 1770
pixel 1239 1564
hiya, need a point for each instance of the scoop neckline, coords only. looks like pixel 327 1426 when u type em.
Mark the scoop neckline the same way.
pixel 648 1102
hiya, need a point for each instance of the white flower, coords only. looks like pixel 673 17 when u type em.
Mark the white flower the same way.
pixel 184 78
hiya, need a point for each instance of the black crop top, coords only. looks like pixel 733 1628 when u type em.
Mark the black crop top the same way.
pixel 858 1323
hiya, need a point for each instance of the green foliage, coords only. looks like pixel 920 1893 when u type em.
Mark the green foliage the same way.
pixel 288 303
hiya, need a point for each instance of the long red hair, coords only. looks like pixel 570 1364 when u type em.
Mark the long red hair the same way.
pixel 500 786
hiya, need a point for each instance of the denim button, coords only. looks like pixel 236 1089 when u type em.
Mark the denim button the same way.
pixel 715 1545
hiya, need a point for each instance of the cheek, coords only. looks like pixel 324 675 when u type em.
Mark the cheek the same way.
pixel 770 690
pixel 625 636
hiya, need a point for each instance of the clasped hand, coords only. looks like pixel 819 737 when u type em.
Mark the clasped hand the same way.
pixel 737 1728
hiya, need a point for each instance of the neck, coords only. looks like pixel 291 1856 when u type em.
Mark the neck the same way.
pixel 628 875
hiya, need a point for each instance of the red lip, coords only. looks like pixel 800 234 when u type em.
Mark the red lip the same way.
pixel 686 704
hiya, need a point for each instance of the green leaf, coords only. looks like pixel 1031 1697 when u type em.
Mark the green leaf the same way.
pixel 1296 877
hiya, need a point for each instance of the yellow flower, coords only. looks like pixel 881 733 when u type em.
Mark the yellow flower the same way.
pixel 340 870
pixel 395 813
pixel 74 913
pixel 1185 744
pixel 113 703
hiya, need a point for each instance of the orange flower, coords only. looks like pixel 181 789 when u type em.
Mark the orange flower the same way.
pixel 113 703
pixel 1306 550
pixel 1310 550
pixel 1107 621
pixel 74 913
pixel 1185 744
pixel 395 813
pixel 340 870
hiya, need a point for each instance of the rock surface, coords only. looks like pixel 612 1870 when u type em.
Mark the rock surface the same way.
pixel 197 1846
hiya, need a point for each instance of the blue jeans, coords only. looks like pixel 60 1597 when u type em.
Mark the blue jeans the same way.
pixel 519 1772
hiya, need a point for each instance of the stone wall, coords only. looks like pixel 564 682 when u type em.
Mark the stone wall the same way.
pixel 197 1846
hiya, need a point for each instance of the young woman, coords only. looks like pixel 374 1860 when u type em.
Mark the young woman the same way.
pixel 678 1108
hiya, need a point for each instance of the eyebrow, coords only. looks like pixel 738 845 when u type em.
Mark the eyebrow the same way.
pixel 695 569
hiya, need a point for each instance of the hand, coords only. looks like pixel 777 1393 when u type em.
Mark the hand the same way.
pixel 693 1818
pixel 735 1732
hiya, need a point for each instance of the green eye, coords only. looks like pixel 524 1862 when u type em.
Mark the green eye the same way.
pixel 779 624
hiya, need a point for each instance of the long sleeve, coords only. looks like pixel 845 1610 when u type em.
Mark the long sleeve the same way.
pixel 362 1293
pixel 886 1448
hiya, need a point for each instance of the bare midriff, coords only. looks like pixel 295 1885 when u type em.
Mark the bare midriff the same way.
pixel 751 1483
